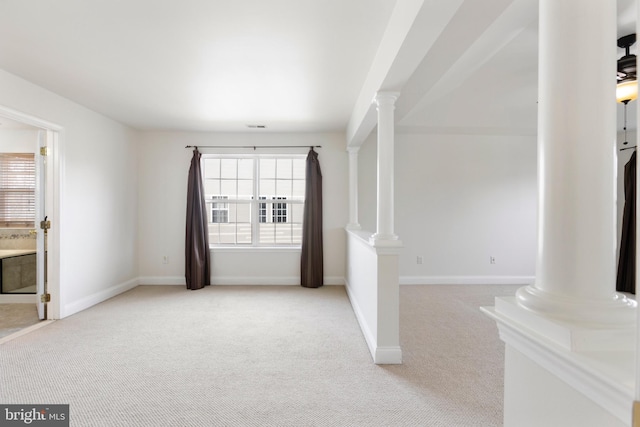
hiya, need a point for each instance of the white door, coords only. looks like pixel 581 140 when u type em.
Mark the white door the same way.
pixel 41 236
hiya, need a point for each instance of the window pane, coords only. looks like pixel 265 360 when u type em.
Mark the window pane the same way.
pixel 283 168
pixel 267 233
pixel 296 234
pixel 228 168
pixel 283 188
pixel 211 168
pixel 245 169
pixel 267 168
pixel 228 188
pixel 268 187
pixel 214 230
pixel 297 210
pixel 298 189
pixel 228 233
pixel 243 213
pixel 299 168
pixel 211 187
pixel 244 233
pixel 283 233
pixel 245 189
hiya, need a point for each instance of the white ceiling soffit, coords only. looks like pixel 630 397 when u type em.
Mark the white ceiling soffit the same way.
pixel 465 35
pixel 476 75
pixel 205 65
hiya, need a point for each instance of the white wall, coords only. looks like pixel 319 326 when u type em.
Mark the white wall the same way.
pixel 18 140
pixel 460 199
pixel 164 166
pixel 97 198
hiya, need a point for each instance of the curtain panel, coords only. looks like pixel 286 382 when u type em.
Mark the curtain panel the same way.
pixel 311 265
pixel 197 234
pixel 626 279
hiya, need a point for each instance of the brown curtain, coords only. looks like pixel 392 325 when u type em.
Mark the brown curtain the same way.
pixel 626 280
pixel 311 265
pixel 197 236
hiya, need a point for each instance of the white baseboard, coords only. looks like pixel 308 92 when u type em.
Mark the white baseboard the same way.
pixel 467 280
pixel 162 280
pixel 238 280
pixel 388 356
pixel 97 298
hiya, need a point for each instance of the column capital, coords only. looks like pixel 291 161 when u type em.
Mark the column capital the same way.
pixel 353 150
pixel 386 98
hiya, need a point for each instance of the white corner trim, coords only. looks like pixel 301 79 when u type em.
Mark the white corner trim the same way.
pixel 97 298
pixel 467 280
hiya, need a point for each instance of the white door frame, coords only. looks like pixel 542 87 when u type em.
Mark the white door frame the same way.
pixel 55 166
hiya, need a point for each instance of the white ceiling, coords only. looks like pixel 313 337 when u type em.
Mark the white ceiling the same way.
pixel 292 65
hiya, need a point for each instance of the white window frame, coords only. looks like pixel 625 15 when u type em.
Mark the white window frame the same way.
pixel 255 202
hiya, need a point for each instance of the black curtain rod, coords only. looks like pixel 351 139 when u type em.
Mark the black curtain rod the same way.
pixel 627 148
pixel 253 146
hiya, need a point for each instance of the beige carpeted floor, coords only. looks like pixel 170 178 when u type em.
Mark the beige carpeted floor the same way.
pixel 262 356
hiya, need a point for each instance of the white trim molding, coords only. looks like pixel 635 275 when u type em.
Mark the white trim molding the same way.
pixel 98 297
pixel 239 280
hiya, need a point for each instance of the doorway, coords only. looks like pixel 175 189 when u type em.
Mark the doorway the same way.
pixel 44 300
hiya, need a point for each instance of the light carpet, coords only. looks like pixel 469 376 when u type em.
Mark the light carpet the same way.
pixel 262 356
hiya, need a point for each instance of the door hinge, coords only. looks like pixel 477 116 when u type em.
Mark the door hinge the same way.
pixel 45 298
pixel 43 151
pixel 45 225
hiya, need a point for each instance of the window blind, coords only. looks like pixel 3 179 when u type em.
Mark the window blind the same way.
pixel 17 189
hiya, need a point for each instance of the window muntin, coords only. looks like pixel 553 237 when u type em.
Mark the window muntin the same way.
pixel 263 199
pixel 17 189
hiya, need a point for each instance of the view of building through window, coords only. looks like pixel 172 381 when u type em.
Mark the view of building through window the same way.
pixel 254 200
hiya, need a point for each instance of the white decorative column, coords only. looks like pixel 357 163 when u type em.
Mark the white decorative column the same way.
pixel 385 103
pixel 354 223
pixel 576 261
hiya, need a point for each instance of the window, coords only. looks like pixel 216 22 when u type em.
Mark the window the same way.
pixel 273 212
pixel 263 199
pixel 219 210
pixel 17 190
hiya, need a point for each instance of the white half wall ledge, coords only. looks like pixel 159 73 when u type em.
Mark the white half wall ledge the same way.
pixel 467 280
pixel 594 364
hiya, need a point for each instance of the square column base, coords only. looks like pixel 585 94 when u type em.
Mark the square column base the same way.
pixel 590 372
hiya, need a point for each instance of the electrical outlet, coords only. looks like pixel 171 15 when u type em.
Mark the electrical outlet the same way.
pixel 492 260
pixel 419 260
pixel 165 259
